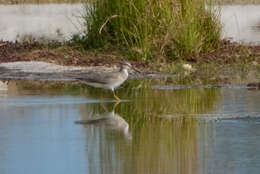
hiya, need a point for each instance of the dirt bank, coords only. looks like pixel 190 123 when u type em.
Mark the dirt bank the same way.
pixel 229 63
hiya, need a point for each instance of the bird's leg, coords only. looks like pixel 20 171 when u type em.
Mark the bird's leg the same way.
pixel 118 99
pixel 115 105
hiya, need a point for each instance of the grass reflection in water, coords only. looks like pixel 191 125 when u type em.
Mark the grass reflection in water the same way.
pixel 158 144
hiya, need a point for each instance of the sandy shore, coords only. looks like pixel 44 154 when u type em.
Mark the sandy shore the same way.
pixel 44 71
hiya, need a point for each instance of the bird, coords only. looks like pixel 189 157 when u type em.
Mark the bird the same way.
pixel 109 120
pixel 108 80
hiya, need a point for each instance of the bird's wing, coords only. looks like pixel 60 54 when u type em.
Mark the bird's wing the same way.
pixel 98 78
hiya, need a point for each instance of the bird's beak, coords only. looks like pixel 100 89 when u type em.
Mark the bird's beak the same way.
pixel 136 69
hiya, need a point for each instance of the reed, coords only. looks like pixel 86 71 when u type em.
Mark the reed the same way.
pixel 151 28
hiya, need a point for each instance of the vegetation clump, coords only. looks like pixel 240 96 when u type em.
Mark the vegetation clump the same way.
pixel 151 28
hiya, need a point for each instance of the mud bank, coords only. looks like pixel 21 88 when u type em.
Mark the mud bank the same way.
pixel 44 71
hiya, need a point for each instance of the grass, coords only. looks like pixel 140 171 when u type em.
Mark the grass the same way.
pixel 144 29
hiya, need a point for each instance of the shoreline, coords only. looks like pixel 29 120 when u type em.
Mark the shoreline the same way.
pixel 232 63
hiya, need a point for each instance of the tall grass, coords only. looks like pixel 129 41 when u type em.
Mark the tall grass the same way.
pixel 150 28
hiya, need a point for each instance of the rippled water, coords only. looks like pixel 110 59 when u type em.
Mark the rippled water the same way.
pixel 151 131
pixel 61 21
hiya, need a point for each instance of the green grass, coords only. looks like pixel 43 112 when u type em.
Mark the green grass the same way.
pixel 146 29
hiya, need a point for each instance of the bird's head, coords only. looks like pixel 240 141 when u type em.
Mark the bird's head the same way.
pixel 126 66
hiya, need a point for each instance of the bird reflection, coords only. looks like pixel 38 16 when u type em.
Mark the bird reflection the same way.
pixel 109 120
pixel 253 86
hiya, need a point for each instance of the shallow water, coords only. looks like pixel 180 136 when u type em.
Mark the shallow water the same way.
pixel 38 133
pixel 40 21
pixel 61 21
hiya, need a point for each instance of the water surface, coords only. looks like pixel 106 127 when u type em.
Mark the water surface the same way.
pixel 241 23
pixel 40 21
pixel 38 133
